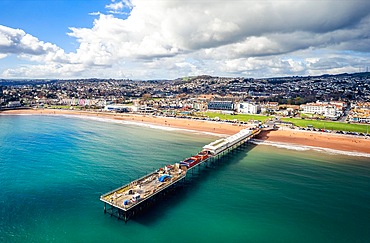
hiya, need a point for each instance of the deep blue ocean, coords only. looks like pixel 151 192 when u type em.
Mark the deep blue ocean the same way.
pixel 53 170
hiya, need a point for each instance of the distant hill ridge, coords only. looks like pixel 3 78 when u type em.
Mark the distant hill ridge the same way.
pixel 6 82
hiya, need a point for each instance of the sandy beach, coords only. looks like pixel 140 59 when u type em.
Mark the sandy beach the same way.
pixel 298 137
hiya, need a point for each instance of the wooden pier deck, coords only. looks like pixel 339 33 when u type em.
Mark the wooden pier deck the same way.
pixel 136 192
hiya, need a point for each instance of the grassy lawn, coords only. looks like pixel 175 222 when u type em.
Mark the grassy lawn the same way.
pixel 329 125
pixel 239 117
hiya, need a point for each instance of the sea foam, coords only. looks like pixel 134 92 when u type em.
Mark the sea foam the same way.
pixel 142 124
pixel 298 147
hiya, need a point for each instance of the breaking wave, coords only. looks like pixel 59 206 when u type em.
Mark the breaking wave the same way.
pixel 138 123
pixel 298 147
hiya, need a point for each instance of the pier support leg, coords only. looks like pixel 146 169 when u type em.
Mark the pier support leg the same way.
pixel 105 208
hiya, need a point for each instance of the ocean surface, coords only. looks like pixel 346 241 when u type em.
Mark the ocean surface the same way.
pixel 53 170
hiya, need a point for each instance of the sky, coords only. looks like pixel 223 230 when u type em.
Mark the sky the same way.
pixel 167 39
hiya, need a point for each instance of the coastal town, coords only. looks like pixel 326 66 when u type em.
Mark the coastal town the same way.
pixel 185 121
pixel 335 111
pixel 343 97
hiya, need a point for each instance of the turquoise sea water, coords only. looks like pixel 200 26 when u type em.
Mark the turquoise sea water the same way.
pixel 54 169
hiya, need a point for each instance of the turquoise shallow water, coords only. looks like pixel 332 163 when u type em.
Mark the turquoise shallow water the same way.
pixel 54 169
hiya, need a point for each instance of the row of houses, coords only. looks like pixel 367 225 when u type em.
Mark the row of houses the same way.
pixel 360 112
pixel 80 102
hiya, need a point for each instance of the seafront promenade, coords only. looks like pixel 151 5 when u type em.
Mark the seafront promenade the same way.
pixel 124 202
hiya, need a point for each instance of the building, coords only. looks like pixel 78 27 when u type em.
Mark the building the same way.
pixel 360 119
pixel 360 113
pixel 14 104
pixel 270 107
pixel 248 108
pixel 118 108
pixel 332 112
pixel 313 108
pixel 145 109
pixel 328 110
pixel 221 105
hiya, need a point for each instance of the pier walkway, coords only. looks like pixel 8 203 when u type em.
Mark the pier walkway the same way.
pixel 127 200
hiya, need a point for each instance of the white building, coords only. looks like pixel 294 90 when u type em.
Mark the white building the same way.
pixel 327 110
pixel 14 104
pixel 248 108
pixel 332 112
pixel 270 107
pixel 313 108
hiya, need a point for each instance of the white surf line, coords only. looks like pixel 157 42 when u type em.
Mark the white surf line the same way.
pixel 138 123
pixel 298 147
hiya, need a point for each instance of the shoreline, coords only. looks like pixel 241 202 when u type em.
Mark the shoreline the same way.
pixel 215 128
pixel 335 142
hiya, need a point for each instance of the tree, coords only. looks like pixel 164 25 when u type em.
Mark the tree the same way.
pixel 146 96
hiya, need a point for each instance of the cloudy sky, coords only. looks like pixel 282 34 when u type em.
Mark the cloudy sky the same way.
pixel 160 39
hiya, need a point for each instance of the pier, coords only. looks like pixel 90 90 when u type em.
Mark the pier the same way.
pixel 126 201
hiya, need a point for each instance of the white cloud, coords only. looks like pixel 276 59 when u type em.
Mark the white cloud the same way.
pixel 50 70
pixel 119 7
pixel 95 13
pixel 171 38
pixel 16 41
